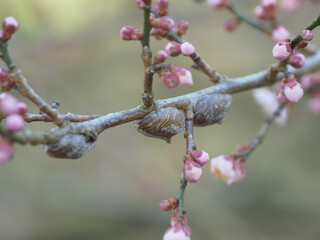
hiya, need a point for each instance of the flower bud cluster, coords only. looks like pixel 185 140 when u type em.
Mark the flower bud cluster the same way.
pixel 193 161
pixel 13 110
pixel 266 10
pixel 179 229
pixel 6 150
pixel 230 168
pixel 289 90
pixel 130 33
pixel 174 76
pixel 9 26
pixel 6 81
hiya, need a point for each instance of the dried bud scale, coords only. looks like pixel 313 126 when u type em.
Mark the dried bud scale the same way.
pixel 163 123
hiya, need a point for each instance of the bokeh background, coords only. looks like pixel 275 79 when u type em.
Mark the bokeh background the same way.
pixel 71 52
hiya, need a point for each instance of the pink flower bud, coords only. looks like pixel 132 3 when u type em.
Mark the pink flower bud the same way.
pixel 10 25
pixel 162 7
pixel 6 150
pixel 192 171
pixel 168 204
pixel 187 49
pixel 169 79
pixel 307 35
pixel 173 48
pixel 291 5
pixel 293 91
pixel 14 122
pixel 218 3
pixel 268 3
pixel 184 76
pixel 243 147
pixel 310 79
pixel 265 12
pixel 140 4
pixel 8 104
pixel 280 33
pixel 176 233
pixel 314 103
pixel 302 44
pixel 182 27
pixel 166 23
pixel 200 156
pixel 158 33
pixel 21 108
pixel 160 57
pixel 127 32
pixel 297 60
pixel 231 24
pixel 281 51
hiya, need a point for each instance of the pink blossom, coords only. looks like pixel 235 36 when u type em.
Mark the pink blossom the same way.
pixel 173 48
pixel 297 60
pixel 200 156
pixel 182 27
pixel 192 171
pixel 291 5
pixel 14 122
pixel 227 169
pixel 6 150
pixel 218 3
pixel 160 57
pixel 268 101
pixel 307 35
pixel 314 103
pixel 10 25
pixel 231 24
pixel 280 33
pixel 281 51
pixel 310 79
pixel 8 104
pixel 176 233
pixel 168 204
pixel 187 49
pixel 184 76
pixel 293 91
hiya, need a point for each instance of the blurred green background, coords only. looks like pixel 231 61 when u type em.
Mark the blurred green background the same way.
pixel 71 52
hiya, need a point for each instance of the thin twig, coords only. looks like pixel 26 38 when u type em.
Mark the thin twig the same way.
pixel 69 116
pixel 28 92
pixel 263 131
